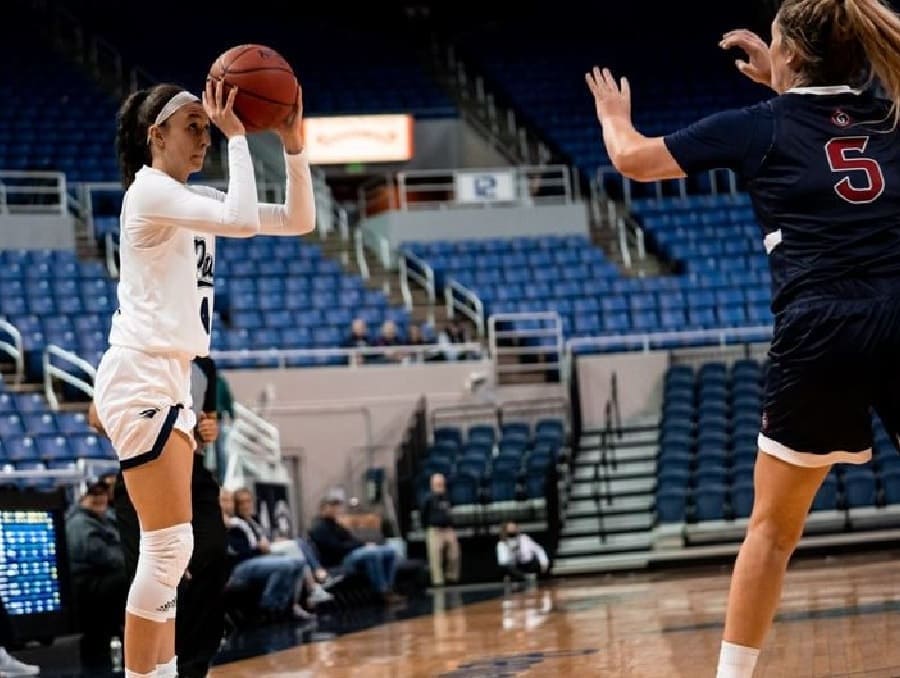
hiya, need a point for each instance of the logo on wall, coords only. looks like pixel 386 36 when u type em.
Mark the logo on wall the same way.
pixel 475 187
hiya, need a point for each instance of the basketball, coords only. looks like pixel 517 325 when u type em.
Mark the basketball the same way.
pixel 267 87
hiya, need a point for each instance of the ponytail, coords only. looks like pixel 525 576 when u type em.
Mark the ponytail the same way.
pixel 131 148
pixel 877 28
pixel 132 122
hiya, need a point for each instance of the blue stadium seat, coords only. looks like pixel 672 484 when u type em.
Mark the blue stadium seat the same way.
pixel 20 448
pixel 890 478
pixel 859 487
pixel 673 478
pixel 39 423
pixel 448 433
pixel 463 489
pixel 502 485
pixel 87 446
pixel 53 448
pixel 535 483
pixel 710 502
pixel 742 499
pixel 516 430
pixel 481 434
pixel 670 506
pixel 674 462
pixel 826 497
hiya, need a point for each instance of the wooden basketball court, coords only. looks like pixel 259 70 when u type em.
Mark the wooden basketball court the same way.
pixel 839 617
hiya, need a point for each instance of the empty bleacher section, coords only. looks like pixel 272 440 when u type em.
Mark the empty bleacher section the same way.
pixel 708 447
pixel 35 438
pixel 537 60
pixel 52 117
pixel 501 464
pixel 366 70
pixel 50 297
pixel 283 294
pixel 708 442
pixel 571 277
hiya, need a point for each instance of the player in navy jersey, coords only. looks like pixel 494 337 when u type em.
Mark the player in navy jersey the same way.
pixel 821 162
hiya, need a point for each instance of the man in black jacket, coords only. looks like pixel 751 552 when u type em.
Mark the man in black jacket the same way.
pixel 337 547
pixel 99 581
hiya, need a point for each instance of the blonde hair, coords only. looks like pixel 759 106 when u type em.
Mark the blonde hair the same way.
pixel 845 42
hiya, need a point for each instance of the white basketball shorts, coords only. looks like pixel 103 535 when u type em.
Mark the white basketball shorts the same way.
pixel 140 397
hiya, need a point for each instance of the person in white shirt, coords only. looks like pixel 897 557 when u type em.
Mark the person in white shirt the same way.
pixel 518 554
pixel 142 391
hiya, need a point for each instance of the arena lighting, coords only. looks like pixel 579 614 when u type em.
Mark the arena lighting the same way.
pixel 358 138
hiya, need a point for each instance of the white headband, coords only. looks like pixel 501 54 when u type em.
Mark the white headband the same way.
pixel 181 99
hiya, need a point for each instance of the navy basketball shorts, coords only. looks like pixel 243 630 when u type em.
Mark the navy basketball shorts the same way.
pixel 833 362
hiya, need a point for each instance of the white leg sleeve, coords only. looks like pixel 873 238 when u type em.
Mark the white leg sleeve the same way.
pixel 163 557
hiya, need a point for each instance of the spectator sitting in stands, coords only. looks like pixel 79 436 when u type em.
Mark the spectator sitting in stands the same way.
pixel 518 554
pixel 339 548
pixel 313 573
pixel 453 333
pixel 415 337
pixel 99 580
pixel 389 338
pixel 440 536
pixel 359 338
pixel 252 562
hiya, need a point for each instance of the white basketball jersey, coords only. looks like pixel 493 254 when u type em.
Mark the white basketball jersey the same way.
pixel 166 274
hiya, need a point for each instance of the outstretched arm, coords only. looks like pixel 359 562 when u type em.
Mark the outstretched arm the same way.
pixel 636 156
pixel 298 214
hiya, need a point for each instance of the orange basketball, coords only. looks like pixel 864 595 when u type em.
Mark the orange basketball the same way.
pixel 267 86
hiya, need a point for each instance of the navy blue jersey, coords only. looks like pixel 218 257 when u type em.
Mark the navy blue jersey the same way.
pixel 822 166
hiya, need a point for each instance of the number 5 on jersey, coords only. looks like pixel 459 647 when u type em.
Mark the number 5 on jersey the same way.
pixel 845 155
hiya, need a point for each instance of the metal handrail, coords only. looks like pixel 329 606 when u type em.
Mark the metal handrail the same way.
pixel 112 248
pixel 475 313
pixel 14 350
pixel 283 355
pixel 51 371
pixel 425 279
pixel 645 342
pixel 61 206
pixel 360 248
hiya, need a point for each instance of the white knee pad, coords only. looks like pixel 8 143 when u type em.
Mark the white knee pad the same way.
pixel 163 557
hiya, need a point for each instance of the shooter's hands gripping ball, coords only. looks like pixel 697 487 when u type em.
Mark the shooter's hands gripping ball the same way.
pixel 222 113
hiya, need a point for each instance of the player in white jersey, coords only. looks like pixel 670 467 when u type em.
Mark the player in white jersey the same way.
pixel 142 390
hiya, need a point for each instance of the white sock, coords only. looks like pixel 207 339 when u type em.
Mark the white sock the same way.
pixel 169 669
pixel 135 674
pixel 736 661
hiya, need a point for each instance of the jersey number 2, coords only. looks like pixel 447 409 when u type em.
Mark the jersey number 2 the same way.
pixel 837 151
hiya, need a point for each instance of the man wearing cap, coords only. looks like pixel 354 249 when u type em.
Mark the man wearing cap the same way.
pixel 99 581
pixel 339 548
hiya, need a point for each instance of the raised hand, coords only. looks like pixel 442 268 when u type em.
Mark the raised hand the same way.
pixel 758 64
pixel 610 100
pixel 222 114
pixel 291 130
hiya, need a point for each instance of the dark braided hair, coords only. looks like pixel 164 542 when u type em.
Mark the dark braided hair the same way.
pixel 133 120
